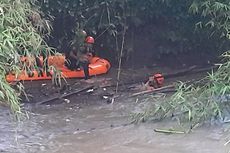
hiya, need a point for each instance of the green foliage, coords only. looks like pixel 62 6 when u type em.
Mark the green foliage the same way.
pixel 21 30
pixel 208 99
pixel 100 18
pixel 215 13
pixel 164 26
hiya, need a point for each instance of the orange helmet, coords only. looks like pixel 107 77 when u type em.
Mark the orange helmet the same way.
pixel 89 40
pixel 159 78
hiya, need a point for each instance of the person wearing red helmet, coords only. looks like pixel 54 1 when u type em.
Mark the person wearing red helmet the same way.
pixel 155 81
pixel 80 55
pixel 89 40
pixel 88 46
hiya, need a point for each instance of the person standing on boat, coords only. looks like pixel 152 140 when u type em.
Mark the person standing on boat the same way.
pixel 80 54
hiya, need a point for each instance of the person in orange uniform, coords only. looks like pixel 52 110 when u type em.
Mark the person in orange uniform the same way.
pixel 79 57
pixel 154 82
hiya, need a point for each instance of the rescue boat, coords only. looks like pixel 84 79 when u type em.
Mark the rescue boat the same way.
pixel 97 66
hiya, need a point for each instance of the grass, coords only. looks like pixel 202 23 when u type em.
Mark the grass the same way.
pixel 21 34
pixel 194 104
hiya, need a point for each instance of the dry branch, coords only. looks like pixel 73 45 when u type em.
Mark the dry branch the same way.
pixel 170 131
pixel 153 91
pixel 64 95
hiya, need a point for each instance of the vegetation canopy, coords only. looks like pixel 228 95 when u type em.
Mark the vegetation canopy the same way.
pixel 160 27
pixel 21 33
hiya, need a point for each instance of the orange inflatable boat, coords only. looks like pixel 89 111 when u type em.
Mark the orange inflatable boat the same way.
pixel 97 66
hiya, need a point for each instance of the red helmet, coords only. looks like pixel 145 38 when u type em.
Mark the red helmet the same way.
pixel 89 40
pixel 159 78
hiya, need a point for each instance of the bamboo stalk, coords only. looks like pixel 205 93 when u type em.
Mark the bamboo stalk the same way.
pixel 64 95
pixel 170 131
pixel 120 59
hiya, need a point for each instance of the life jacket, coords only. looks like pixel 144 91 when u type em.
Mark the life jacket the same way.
pixel 85 53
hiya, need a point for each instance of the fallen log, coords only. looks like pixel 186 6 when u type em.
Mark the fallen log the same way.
pixel 170 131
pixel 64 95
pixel 153 91
pixel 179 73
pixel 204 69
pixel 169 88
pixel 190 70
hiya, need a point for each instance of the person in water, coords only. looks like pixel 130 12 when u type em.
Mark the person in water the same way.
pixel 80 55
pixel 154 82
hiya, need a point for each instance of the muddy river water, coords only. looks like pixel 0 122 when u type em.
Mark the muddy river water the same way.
pixel 100 128
pixel 91 125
